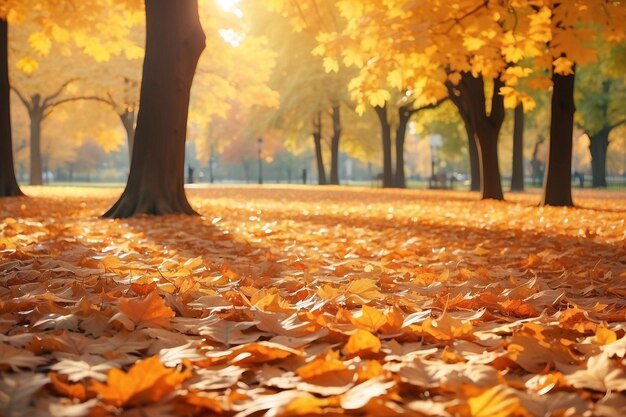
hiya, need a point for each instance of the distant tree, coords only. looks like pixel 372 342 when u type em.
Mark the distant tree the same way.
pixel 600 105
pixel 517 175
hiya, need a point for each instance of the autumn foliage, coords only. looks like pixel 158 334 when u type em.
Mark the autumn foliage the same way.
pixel 287 301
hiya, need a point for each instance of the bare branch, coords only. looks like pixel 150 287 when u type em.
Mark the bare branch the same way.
pixel 21 97
pixel 53 105
pixel 57 93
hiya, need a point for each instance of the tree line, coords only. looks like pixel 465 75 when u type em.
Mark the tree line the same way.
pixel 397 58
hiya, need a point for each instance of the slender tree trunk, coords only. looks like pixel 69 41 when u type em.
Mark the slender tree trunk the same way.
pixel 491 186
pixel 517 177
pixel 36 119
pixel 598 146
pixel 557 187
pixel 334 146
pixel 404 115
pixel 487 130
pixel 8 182
pixel 319 156
pixel 472 148
pixel 128 121
pixel 385 127
pixel 174 43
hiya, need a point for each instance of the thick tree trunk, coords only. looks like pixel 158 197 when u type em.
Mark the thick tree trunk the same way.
pixel 334 146
pixel 557 187
pixel 385 128
pixel 487 130
pixel 404 115
pixel 319 156
pixel 174 43
pixel 472 148
pixel 599 144
pixel 517 176
pixel 36 118
pixel 128 121
pixel 8 182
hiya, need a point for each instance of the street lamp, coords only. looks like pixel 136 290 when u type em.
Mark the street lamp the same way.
pixel 260 145
pixel 435 143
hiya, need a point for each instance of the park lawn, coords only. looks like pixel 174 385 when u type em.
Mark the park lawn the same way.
pixel 308 300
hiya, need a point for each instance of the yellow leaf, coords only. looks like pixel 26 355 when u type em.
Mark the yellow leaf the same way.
pixel 27 65
pixel 605 336
pixel 379 97
pixel 495 402
pixel 331 65
pixel 369 319
pixel 40 43
pixel 563 66
pixel 362 342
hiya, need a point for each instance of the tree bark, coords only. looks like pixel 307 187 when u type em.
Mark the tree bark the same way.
pixel 404 115
pixel 487 130
pixel 385 127
pixel 128 121
pixel 517 176
pixel 599 144
pixel 472 148
pixel 174 43
pixel 8 182
pixel 319 156
pixel 557 190
pixel 36 119
pixel 334 146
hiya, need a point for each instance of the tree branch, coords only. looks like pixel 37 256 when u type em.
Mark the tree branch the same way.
pixel 428 106
pixel 57 93
pixel 22 98
pixel 616 125
pixel 52 106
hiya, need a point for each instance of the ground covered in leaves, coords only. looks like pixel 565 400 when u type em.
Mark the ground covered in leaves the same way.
pixel 308 301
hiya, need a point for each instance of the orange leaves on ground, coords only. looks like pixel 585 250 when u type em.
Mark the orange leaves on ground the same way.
pixel 365 302
pixel 151 311
pixel 145 382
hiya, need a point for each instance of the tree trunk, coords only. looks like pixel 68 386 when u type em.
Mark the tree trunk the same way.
pixel 404 115
pixel 557 189
pixel 517 176
pixel 385 127
pixel 599 144
pixel 8 182
pixel 174 42
pixel 334 146
pixel 472 148
pixel 128 121
pixel 319 157
pixel 487 130
pixel 36 118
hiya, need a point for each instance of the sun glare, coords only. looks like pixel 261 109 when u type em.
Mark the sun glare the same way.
pixel 231 6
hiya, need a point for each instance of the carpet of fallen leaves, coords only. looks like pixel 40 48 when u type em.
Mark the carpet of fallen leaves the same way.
pixel 290 301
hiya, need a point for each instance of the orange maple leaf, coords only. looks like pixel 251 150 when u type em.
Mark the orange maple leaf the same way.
pixel 150 311
pixel 145 382
pixel 362 342
pixel 321 365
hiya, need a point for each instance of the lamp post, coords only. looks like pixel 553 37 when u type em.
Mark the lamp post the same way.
pixel 260 147
pixel 435 143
